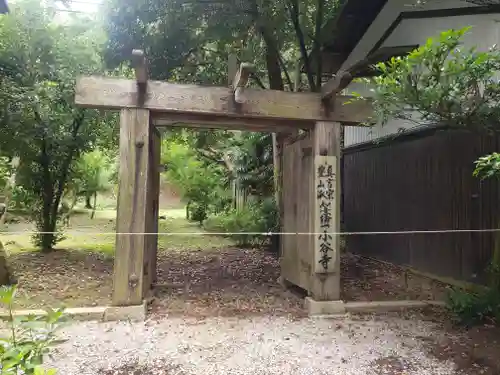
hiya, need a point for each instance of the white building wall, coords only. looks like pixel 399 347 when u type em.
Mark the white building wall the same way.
pixel 484 34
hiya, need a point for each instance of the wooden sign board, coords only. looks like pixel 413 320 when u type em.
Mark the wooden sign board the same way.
pixel 326 220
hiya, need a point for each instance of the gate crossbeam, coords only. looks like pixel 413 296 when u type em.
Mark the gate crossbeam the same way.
pixel 163 98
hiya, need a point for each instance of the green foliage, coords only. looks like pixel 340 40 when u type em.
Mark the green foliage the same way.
pixel 248 226
pixel 197 211
pixel 23 199
pixel 4 172
pixel 191 42
pixel 39 61
pixel 200 184
pixel 93 174
pixel 254 163
pixel 487 166
pixel 28 340
pixel 440 83
pixel 474 308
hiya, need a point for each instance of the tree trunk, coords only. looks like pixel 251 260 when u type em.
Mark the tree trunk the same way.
pixel 88 204
pixel 48 221
pixel 92 215
pixel 5 278
pixel 47 238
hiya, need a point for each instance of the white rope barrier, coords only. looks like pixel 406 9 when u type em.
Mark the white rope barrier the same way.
pixel 86 233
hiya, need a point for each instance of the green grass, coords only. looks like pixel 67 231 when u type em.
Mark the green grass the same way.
pixel 98 234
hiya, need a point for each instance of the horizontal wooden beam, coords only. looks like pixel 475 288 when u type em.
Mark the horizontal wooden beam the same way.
pixel 112 93
pixel 231 123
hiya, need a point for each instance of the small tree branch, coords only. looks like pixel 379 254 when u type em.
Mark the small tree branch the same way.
pixel 285 71
pixel 258 81
pixel 294 13
pixel 272 52
pixel 77 123
pixel 317 38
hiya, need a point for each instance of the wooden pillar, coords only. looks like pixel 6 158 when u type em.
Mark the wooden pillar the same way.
pixel 155 155
pixel 278 159
pixel 325 211
pixel 130 254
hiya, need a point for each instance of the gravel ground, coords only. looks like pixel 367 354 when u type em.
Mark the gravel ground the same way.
pixel 259 345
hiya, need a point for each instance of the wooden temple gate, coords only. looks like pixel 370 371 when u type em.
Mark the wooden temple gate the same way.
pixel 310 161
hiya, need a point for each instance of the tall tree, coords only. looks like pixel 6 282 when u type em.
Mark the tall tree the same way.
pixel 39 60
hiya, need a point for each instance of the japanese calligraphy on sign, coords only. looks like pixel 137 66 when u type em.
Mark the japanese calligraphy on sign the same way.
pixel 325 186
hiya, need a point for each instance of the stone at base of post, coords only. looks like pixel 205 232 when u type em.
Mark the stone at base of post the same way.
pixel 326 286
pixel 315 308
pixel 134 313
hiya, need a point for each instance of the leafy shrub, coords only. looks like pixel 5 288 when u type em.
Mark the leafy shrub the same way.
pixel 197 212
pixel 4 172
pixel 22 199
pixel 248 226
pixel 29 339
pixel 222 201
pixel 474 308
pixel 198 183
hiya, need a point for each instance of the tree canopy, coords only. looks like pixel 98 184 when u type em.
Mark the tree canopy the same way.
pixel 191 41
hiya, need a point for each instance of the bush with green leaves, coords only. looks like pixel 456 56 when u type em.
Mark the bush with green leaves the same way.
pixel 441 83
pixel 247 226
pixel 487 167
pixel 4 171
pixel 470 308
pixel 92 174
pixel 28 340
pixel 199 183
pixel 197 212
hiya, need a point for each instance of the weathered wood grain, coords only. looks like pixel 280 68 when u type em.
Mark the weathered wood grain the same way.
pixel 153 214
pixel 140 66
pixel 296 249
pixel 130 261
pixel 152 198
pixel 325 281
pixel 232 123
pixel 112 93
pixel 325 162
